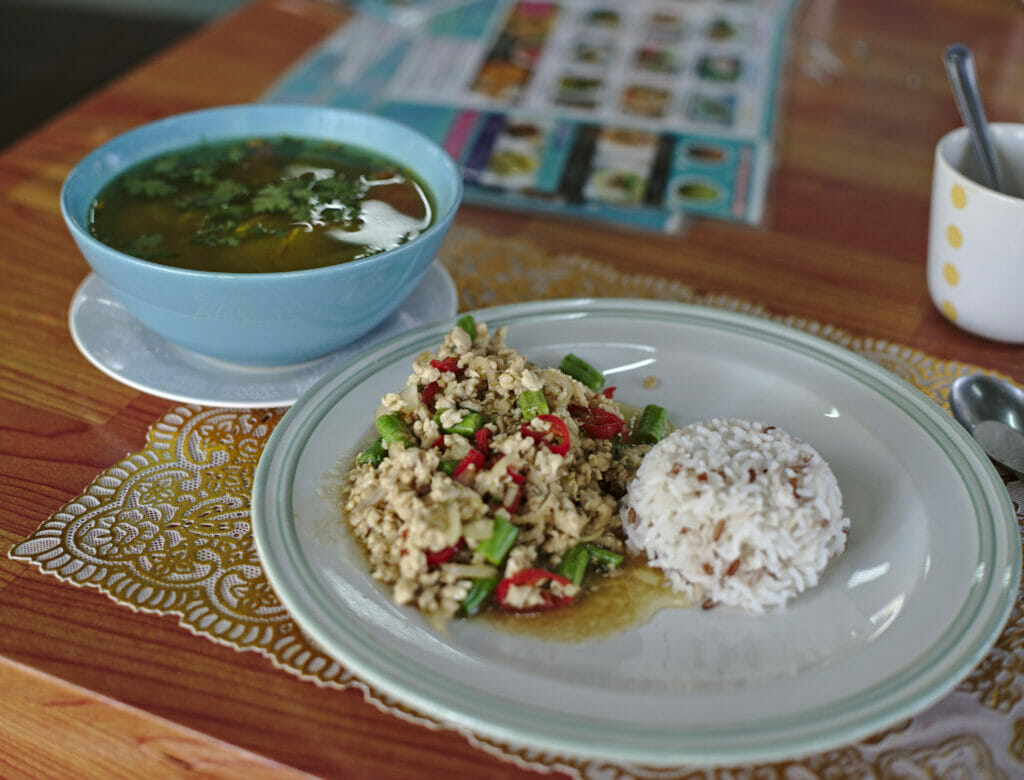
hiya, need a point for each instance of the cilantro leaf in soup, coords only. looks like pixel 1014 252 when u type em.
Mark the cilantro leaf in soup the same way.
pixel 273 197
pixel 149 241
pixel 149 246
pixel 150 188
pixel 166 164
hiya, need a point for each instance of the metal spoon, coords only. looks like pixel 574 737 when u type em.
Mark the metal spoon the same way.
pixel 960 68
pixel 993 413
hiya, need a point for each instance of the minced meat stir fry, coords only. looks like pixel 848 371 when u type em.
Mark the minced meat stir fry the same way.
pixel 494 482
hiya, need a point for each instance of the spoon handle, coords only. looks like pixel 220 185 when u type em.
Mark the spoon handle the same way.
pixel 960 68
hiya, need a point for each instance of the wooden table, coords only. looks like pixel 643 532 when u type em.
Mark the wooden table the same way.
pixel 843 242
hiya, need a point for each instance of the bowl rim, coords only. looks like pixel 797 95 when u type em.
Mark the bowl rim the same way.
pixel 81 233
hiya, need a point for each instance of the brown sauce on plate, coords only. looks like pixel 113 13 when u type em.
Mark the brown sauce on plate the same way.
pixel 608 605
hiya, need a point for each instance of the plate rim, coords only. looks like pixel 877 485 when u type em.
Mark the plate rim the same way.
pixel 280 398
pixel 994 602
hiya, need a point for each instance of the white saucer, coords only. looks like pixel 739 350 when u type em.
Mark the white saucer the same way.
pixel 121 347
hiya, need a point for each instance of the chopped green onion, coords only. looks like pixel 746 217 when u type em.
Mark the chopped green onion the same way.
pixel 504 535
pixel 603 555
pixel 373 454
pixel 650 428
pixel 468 425
pixel 532 403
pixel 468 324
pixel 581 370
pixel 448 466
pixel 481 588
pixel 392 428
pixel 574 564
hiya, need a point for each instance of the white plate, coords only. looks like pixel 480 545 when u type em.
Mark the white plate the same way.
pixel 121 347
pixel 916 600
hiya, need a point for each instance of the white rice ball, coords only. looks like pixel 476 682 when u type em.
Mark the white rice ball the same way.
pixel 736 512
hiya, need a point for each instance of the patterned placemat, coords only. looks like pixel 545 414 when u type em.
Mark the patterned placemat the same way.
pixel 166 530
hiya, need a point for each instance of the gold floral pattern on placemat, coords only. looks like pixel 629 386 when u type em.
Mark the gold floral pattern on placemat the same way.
pixel 166 530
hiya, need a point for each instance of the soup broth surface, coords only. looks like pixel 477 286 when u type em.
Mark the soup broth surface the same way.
pixel 261 205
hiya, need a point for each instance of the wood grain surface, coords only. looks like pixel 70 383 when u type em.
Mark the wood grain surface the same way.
pixel 843 242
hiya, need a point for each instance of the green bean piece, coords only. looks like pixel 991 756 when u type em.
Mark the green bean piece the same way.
pixel 581 370
pixel 650 428
pixel 532 403
pixel 392 428
pixel 481 588
pixel 468 324
pixel 574 564
pixel 448 466
pixel 468 425
pixel 495 547
pixel 604 556
pixel 373 454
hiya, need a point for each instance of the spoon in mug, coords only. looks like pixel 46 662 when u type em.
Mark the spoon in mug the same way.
pixel 992 411
pixel 960 68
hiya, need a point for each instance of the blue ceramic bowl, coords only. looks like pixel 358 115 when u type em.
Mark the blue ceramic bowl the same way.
pixel 264 318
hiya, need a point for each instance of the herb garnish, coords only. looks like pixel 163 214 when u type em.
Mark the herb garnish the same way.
pixel 148 246
pixel 228 211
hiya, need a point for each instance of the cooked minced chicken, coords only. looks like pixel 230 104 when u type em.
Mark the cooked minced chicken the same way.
pixel 428 510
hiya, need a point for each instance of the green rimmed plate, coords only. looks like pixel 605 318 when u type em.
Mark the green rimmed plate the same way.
pixel 916 600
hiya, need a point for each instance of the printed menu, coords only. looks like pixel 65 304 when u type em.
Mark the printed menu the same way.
pixel 636 113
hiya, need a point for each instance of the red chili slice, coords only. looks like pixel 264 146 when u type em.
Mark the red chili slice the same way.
pixel 609 392
pixel 429 393
pixel 603 424
pixel 603 431
pixel 474 459
pixel 450 364
pixel 533 577
pixel 482 438
pixel 515 502
pixel 598 423
pixel 555 438
pixel 443 556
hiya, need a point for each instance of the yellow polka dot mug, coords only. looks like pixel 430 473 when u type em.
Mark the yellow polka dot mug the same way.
pixel 976 237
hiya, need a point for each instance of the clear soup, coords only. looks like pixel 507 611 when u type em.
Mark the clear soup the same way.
pixel 261 205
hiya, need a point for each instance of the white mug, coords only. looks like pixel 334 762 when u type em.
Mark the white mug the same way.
pixel 976 236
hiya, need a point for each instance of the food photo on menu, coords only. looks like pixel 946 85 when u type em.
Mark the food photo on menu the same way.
pixel 678 76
